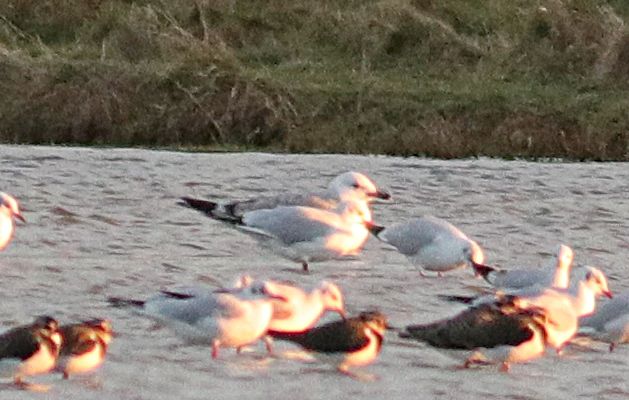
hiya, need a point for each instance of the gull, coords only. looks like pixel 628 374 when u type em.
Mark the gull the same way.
pixel 29 349
pixel 304 234
pixel 348 343
pixel 564 308
pixel 523 282
pixel 205 317
pixel 431 243
pixel 9 211
pixel 610 323
pixel 299 310
pixel 530 277
pixel 84 346
pixel 350 184
pixel 497 333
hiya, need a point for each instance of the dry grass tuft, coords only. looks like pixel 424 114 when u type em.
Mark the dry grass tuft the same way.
pixel 410 77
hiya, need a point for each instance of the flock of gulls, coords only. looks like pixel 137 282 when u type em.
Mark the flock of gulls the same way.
pixel 524 313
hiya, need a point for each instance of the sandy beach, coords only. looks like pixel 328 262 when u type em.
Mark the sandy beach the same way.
pixel 104 222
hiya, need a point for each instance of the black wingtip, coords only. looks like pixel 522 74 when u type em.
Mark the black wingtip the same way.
pixel 176 295
pixel 212 210
pixel 204 206
pixel 374 228
pixel 457 299
pixel 121 302
pixel 482 270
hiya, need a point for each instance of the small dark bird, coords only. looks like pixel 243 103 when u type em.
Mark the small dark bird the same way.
pixel 29 349
pixel 356 341
pixel 498 332
pixel 84 346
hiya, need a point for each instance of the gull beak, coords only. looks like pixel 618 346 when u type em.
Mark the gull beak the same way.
pixel 20 217
pixel 343 314
pixel 608 294
pixel 380 194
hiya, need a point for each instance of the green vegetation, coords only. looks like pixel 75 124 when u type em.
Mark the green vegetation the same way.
pixel 442 78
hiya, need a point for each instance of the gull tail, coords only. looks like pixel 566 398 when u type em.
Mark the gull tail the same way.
pixel 121 302
pixel 374 228
pixel 213 210
pixel 483 270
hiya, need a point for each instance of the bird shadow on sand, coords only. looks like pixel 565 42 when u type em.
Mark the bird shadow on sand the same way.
pixel 356 375
pixel 25 386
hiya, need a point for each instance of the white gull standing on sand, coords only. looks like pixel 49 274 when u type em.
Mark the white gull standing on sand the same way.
pixel 431 243
pixel 298 309
pixel 353 185
pixel 564 308
pixel 610 322
pixel 303 234
pixel 209 317
pixel 9 211
pixel 521 278
pixel 514 282
pixel 513 329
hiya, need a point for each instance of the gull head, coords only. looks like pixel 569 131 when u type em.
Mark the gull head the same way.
pixel 564 255
pixel 9 203
pixel 357 184
pixel 332 298
pixel 595 279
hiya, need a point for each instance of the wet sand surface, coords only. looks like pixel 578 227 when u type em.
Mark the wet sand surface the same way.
pixel 104 222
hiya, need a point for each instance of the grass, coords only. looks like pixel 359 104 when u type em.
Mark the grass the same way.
pixel 447 78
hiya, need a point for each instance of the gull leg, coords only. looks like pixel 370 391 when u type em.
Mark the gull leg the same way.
pixel 612 346
pixel 304 266
pixel 215 344
pixel 475 358
pixel 505 367
pixel 268 343
pixel 344 369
